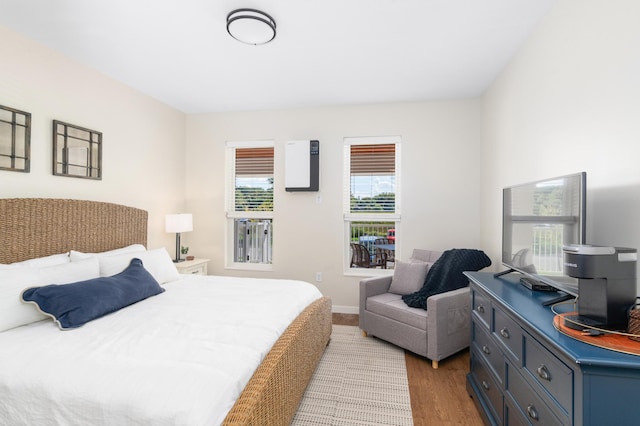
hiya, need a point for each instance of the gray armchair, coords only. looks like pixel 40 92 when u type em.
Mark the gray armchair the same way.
pixel 436 333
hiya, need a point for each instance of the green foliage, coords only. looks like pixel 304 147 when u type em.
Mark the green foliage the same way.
pixel 548 201
pixel 383 202
pixel 254 199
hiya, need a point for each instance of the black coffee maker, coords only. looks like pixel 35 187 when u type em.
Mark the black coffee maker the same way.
pixel 606 284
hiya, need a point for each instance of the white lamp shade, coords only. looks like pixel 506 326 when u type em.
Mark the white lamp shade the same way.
pixel 182 222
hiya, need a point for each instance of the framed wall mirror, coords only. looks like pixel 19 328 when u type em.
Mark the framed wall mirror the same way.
pixel 15 140
pixel 77 151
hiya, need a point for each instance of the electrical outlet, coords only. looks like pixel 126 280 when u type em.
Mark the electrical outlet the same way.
pixel 318 276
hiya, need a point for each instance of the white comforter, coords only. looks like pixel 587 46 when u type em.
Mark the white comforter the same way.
pixel 179 358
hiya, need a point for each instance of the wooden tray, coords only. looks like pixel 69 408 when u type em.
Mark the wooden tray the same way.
pixel 612 341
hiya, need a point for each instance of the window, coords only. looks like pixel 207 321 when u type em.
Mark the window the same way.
pixel 371 198
pixel 249 205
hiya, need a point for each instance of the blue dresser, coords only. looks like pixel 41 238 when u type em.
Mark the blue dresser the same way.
pixel 524 372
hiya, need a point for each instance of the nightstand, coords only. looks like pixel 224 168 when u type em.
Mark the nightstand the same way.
pixel 195 266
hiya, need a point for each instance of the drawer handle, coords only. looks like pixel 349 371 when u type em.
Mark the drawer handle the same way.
pixel 504 333
pixel 486 349
pixel 480 309
pixel 532 412
pixel 485 385
pixel 544 373
pixel 197 271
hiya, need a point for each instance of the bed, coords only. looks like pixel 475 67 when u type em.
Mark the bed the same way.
pixel 281 364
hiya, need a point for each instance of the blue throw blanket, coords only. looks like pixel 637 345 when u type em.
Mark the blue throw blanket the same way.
pixel 446 274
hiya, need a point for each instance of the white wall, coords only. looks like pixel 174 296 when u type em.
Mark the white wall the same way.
pixel 440 191
pixel 143 139
pixel 145 164
pixel 569 102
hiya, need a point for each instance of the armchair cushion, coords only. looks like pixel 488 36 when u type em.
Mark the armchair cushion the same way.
pixel 408 277
pixel 391 306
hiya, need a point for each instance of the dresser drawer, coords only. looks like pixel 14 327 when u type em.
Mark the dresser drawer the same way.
pixel 531 405
pixel 491 391
pixel 195 270
pixel 512 415
pixel 193 267
pixel 481 308
pixel 488 349
pixel 550 373
pixel 508 333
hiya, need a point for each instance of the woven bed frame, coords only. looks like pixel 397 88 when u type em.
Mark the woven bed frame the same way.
pixel 36 227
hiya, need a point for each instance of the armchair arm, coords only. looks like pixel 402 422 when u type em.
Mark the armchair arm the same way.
pixel 372 287
pixel 448 323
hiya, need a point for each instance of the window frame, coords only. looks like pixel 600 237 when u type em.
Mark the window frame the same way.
pixel 231 214
pixel 350 217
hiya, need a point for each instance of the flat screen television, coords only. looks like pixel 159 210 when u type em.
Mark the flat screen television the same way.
pixel 538 218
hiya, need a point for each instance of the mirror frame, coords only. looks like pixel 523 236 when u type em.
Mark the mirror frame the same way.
pixel 77 151
pixel 10 133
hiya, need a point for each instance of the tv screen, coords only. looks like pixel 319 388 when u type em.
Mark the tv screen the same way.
pixel 538 218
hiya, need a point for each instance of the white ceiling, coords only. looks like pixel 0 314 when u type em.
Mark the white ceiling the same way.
pixel 326 52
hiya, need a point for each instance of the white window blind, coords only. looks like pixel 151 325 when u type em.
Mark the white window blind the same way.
pixel 371 183
pixel 372 180
pixel 254 179
pixel 249 178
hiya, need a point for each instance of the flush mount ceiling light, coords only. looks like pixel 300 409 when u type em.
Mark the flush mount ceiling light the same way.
pixel 251 26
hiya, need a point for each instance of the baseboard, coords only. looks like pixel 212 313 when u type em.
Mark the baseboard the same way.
pixel 341 309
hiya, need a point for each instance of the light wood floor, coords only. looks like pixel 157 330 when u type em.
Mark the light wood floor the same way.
pixel 438 397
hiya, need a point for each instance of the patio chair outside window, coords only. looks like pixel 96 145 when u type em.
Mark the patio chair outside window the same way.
pixel 361 258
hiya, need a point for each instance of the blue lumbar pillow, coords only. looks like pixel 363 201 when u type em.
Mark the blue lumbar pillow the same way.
pixel 73 305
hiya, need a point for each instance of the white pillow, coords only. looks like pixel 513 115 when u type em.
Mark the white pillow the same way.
pixel 54 259
pixel 133 248
pixel 14 313
pixel 156 261
pixel 408 277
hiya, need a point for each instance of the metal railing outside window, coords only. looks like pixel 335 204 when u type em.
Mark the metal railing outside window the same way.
pixel 366 233
pixel 547 248
pixel 253 240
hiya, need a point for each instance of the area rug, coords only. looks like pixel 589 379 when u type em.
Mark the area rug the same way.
pixel 359 381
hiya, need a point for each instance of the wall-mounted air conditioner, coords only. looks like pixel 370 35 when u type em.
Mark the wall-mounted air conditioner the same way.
pixel 302 166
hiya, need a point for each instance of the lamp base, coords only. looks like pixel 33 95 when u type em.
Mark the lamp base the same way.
pixel 177 259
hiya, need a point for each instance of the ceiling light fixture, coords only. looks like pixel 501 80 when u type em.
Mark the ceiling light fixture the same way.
pixel 251 26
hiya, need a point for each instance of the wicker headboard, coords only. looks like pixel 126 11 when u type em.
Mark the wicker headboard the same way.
pixel 36 227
